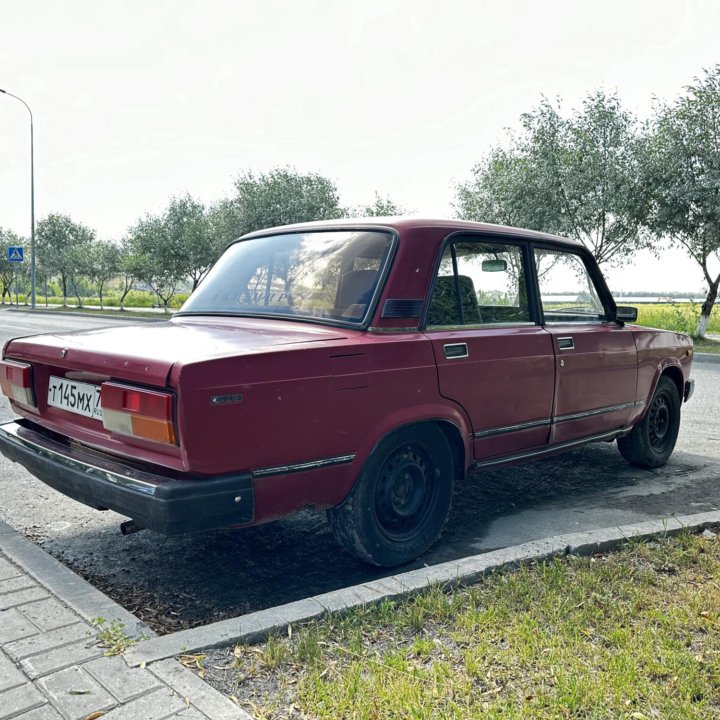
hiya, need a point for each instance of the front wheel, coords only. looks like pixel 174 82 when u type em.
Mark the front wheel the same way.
pixel 652 440
pixel 401 499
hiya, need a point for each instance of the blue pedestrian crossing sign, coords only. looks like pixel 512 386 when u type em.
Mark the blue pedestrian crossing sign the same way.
pixel 15 254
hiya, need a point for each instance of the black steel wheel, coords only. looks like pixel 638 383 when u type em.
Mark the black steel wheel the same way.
pixel 652 440
pixel 401 499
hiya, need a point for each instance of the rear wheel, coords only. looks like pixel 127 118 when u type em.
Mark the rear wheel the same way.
pixel 401 499
pixel 652 440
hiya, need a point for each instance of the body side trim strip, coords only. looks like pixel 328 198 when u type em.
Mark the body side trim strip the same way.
pixel 511 428
pixel 299 467
pixel 597 411
pixel 559 419
pixel 550 449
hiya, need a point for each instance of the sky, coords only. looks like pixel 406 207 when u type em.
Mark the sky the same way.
pixel 135 102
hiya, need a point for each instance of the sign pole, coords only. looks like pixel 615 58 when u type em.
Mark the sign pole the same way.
pixel 32 196
pixel 17 303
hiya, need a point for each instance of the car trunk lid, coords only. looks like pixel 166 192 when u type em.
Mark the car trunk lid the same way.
pixel 146 353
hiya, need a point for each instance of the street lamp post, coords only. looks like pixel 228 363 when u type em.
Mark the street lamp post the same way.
pixel 32 198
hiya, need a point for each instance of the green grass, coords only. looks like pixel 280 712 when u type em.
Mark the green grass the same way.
pixel 706 345
pixel 125 314
pixel 631 635
pixel 135 299
pixel 682 317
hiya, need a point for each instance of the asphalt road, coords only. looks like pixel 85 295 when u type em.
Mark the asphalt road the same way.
pixel 193 579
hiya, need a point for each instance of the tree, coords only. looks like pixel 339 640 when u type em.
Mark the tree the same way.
pixel 283 196
pixel 129 268
pixel 162 250
pixel 575 176
pixel 61 244
pixel 158 256
pixel 103 264
pixel 224 224
pixel 78 261
pixel 8 269
pixel 186 227
pixel 681 178
pixel 381 207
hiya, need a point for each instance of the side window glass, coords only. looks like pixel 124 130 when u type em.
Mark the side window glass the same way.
pixel 567 292
pixel 479 283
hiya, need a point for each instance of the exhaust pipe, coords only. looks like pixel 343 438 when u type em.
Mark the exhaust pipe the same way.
pixel 129 527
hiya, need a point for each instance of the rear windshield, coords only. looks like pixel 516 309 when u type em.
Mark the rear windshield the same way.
pixel 331 275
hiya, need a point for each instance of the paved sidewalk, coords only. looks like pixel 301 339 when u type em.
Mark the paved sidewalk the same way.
pixel 51 666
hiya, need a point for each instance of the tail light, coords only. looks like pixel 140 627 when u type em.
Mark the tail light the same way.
pixel 16 382
pixel 140 413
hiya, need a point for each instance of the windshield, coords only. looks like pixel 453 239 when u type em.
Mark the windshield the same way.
pixel 330 275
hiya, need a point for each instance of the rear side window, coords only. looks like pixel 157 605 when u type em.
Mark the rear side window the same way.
pixel 567 291
pixel 479 283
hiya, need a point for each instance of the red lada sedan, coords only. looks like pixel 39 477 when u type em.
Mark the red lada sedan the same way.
pixel 358 367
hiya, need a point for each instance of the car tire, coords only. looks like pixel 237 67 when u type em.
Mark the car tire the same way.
pixel 652 440
pixel 400 500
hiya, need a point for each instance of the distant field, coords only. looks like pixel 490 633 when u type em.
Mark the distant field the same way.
pixel 679 316
pixel 682 317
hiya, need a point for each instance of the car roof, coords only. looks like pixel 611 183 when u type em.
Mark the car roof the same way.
pixel 404 223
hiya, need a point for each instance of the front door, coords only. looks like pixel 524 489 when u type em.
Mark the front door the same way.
pixel 596 359
pixel 493 356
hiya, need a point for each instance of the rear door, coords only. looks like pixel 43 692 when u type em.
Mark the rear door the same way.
pixel 596 359
pixel 493 356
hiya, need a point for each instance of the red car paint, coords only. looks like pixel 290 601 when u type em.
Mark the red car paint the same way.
pixel 291 393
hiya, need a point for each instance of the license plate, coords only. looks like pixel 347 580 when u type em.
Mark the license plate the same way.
pixel 75 397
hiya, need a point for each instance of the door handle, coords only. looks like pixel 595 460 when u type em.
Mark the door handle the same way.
pixel 453 351
pixel 566 343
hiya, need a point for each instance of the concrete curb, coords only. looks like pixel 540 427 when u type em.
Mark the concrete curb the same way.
pixel 86 600
pixel 256 626
pixel 90 603
pixel 702 357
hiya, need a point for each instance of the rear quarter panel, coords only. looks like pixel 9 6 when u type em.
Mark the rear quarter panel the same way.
pixel 305 403
pixel 660 351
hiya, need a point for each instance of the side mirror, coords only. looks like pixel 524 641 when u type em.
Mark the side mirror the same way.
pixel 625 314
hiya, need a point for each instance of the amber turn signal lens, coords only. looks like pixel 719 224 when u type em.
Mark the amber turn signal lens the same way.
pixel 137 412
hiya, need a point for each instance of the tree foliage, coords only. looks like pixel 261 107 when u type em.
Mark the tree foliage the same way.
pixel 156 260
pixel 575 176
pixel 281 197
pixel 162 250
pixel 62 247
pixel 681 178
pixel 129 269
pixel 186 231
pixel 7 269
pixel 103 264
pixel 223 224
pixel 381 207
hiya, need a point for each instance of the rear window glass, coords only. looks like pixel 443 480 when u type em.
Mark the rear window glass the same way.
pixel 332 275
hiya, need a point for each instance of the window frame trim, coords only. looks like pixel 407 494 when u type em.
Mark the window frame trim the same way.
pixel 533 298
pixel 383 275
pixel 594 273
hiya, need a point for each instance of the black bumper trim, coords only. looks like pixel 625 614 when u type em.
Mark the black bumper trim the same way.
pixel 689 389
pixel 167 505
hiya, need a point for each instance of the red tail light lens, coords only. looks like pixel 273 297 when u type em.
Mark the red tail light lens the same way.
pixel 16 382
pixel 137 412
